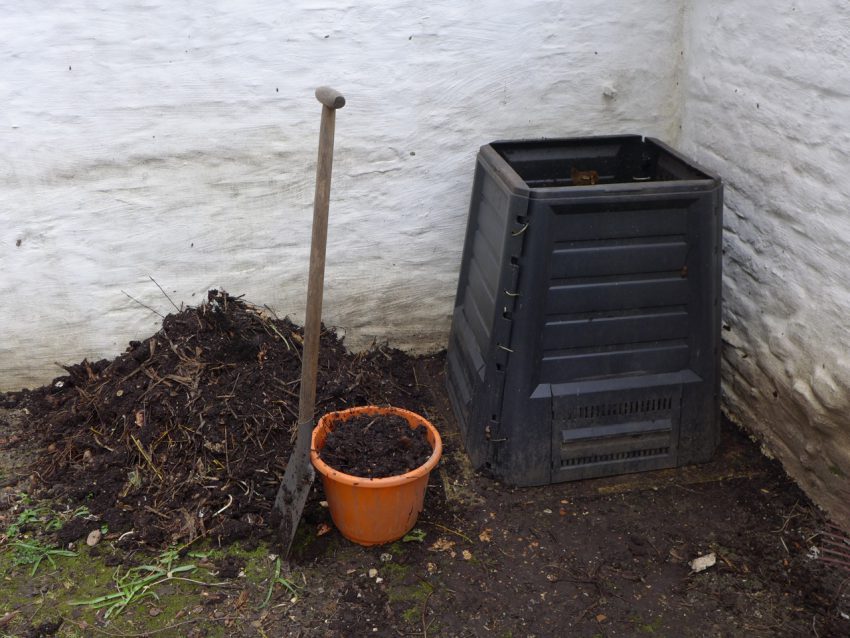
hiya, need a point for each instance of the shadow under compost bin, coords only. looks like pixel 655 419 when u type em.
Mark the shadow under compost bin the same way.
pixel 585 334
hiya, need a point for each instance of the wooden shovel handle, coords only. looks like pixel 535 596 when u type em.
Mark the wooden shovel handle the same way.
pixel 315 282
pixel 331 98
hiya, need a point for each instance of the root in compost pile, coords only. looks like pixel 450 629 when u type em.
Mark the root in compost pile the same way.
pixel 376 446
pixel 187 433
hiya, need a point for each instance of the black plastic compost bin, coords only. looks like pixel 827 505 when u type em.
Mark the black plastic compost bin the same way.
pixel 585 334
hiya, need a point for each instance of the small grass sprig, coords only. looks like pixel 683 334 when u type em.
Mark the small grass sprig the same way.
pixel 27 517
pixel 32 552
pixel 277 579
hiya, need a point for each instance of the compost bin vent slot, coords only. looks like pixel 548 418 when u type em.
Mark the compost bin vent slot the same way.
pixel 618 456
pixel 624 429
pixel 635 407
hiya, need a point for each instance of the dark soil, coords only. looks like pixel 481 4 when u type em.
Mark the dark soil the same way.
pixel 74 530
pixel 229 568
pixel 186 436
pixel 44 630
pixel 376 447
pixel 607 557
pixel 187 433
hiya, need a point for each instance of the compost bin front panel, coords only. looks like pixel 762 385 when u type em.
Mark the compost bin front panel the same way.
pixel 620 288
pixel 617 300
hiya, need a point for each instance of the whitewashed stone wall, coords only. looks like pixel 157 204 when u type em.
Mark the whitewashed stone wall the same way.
pixel 767 105
pixel 176 140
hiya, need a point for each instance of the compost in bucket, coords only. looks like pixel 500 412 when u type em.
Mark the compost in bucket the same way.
pixel 376 446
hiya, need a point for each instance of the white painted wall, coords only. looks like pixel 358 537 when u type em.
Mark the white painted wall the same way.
pixel 177 140
pixel 767 105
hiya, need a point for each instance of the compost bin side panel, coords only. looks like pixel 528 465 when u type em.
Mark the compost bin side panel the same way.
pixel 481 322
pixel 699 430
pixel 465 357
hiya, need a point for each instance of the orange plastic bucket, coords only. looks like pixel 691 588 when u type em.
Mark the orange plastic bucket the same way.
pixel 374 511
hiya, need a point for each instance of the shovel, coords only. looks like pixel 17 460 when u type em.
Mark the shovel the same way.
pixel 299 475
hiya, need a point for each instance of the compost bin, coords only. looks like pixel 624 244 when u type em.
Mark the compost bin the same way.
pixel 585 334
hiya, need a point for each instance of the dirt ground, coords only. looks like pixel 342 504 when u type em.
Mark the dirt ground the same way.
pixel 172 452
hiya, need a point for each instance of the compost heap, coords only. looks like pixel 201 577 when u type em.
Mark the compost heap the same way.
pixel 188 432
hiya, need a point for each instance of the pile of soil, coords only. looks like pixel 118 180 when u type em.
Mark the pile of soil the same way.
pixel 188 432
pixel 376 447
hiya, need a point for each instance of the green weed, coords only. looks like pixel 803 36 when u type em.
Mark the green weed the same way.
pixel 411 614
pixel 140 582
pixel 27 517
pixel 31 552
pixel 277 579
pixel 651 627
pixel 416 535
pixel 41 517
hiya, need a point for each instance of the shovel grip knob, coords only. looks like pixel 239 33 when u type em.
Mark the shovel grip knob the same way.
pixel 331 98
